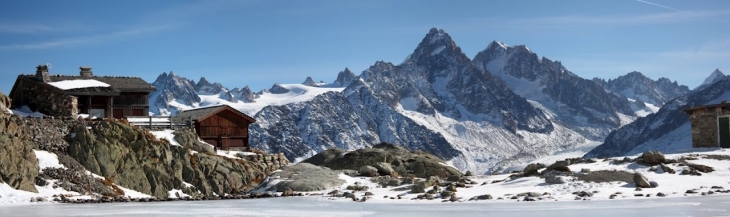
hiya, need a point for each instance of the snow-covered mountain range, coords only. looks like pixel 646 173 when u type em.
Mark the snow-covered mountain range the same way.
pixel 646 95
pixel 667 130
pixel 502 108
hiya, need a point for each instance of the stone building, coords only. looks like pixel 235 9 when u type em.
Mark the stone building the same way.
pixel 710 125
pixel 69 95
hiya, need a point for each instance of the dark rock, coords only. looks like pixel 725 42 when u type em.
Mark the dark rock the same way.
pixel 561 166
pixel 468 173
pixel 368 171
pixel 384 169
pixel 660 194
pixel 652 158
pixel 484 197
pixel 667 169
pixel 530 170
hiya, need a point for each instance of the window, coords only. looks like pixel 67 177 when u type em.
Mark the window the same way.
pixel 99 113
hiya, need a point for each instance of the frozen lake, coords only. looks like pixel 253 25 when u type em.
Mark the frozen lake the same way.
pixel 317 206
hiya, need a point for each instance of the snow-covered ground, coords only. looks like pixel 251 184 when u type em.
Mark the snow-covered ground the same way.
pixel 297 93
pixel 673 185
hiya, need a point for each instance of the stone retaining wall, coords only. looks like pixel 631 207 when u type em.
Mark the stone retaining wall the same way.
pixel 273 162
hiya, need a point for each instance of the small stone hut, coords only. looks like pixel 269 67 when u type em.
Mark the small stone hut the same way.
pixel 710 125
pixel 70 95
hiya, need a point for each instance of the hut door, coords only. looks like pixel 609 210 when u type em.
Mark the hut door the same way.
pixel 224 143
pixel 724 125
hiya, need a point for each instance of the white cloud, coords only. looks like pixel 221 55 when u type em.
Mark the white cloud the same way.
pixel 23 28
pixel 642 19
pixel 138 30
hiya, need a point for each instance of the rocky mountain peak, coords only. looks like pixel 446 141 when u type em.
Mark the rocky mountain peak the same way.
pixel 713 77
pixel 244 94
pixel 310 82
pixel 344 77
pixel 169 88
pixel 278 89
pixel 204 87
pixel 437 47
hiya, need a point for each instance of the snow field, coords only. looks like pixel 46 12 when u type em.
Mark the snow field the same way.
pixel 673 185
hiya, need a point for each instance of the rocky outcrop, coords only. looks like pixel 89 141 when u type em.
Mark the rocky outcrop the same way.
pixel 305 177
pixel 401 161
pixel 188 139
pixel 135 159
pixel 18 164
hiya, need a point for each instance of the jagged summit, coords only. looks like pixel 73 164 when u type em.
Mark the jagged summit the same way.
pixel 310 82
pixel 437 46
pixel 344 78
pixel 713 77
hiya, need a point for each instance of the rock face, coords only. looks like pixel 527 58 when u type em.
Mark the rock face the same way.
pixel 18 164
pixel 402 161
pixel 581 104
pixel 188 139
pixel 135 159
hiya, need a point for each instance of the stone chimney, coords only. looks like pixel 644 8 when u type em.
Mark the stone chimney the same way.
pixel 86 72
pixel 41 73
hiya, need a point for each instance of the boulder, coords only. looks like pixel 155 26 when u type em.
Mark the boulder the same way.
pixel 419 187
pixel 561 166
pixel 641 181
pixel 304 177
pixel 468 173
pixel 652 158
pixel 368 171
pixel 484 197
pixel 666 169
pixel 555 179
pixel 530 170
pixel 384 168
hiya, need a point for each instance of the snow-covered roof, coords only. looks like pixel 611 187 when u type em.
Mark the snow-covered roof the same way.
pixel 80 83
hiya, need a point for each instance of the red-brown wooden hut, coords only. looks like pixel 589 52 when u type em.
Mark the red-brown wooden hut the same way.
pixel 222 126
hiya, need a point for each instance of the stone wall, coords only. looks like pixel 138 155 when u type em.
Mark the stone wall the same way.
pixel 704 130
pixel 273 162
pixel 705 126
pixel 45 99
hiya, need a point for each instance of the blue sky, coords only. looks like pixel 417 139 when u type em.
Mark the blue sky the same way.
pixel 259 43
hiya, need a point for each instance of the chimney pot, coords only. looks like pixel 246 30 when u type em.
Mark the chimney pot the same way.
pixel 41 73
pixel 86 72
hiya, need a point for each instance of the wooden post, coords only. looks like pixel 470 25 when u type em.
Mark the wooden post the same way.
pixel 150 123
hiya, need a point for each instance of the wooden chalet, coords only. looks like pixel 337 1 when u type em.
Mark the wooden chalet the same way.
pixel 222 126
pixel 710 125
pixel 67 95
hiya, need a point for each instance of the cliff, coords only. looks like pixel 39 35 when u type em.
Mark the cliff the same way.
pixel 124 155
pixel 18 164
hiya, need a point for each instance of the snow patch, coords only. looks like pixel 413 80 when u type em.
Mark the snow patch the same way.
pixel 167 135
pixel 80 83
pixel 47 160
